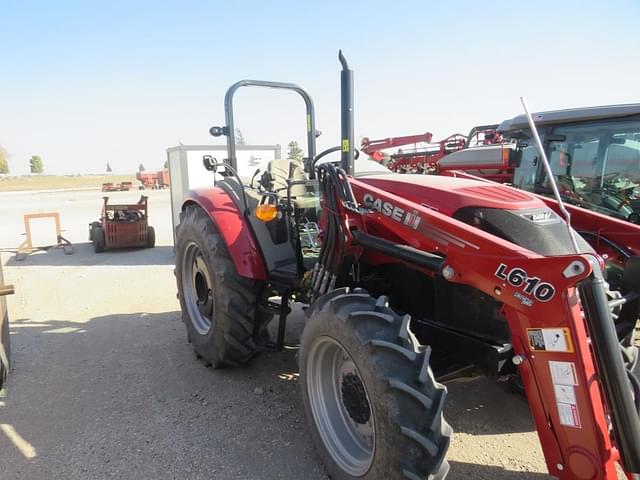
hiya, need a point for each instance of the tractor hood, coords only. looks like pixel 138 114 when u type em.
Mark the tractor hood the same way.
pixel 505 212
pixel 447 195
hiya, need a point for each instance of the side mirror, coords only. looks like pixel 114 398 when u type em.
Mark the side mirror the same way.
pixel 210 163
pixel 218 131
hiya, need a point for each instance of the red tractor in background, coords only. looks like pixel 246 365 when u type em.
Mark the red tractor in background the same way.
pixel 410 281
pixel 594 154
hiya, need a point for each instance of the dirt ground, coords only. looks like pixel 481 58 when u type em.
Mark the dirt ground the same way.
pixel 104 384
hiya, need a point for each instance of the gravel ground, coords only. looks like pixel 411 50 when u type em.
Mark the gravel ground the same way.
pixel 104 384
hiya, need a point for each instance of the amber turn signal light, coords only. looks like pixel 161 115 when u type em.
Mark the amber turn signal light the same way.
pixel 266 212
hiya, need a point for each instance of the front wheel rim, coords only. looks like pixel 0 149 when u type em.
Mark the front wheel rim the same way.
pixel 340 406
pixel 197 288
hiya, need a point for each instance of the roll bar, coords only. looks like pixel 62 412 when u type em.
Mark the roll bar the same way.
pixel 229 129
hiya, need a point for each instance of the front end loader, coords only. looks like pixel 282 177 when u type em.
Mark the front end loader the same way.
pixel 411 281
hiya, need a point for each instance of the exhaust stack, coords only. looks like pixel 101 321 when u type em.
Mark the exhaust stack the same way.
pixel 346 114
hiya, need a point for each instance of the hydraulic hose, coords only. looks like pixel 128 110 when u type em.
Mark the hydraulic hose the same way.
pixel 334 192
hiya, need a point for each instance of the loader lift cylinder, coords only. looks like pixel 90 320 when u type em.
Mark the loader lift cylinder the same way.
pixel 626 425
pixel 346 110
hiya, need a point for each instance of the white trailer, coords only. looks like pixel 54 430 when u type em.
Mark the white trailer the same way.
pixel 187 171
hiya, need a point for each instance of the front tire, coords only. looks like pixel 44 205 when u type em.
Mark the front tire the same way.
pixel 369 395
pixel 219 307
pixel 151 237
pixel 92 226
pixel 99 241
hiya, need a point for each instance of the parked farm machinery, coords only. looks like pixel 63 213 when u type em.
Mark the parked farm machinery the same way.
pixel 122 226
pixel 594 154
pixel 124 186
pixel 425 155
pixel 153 180
pixel 411 280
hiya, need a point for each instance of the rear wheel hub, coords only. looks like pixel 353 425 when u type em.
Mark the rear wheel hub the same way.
pixel 197 288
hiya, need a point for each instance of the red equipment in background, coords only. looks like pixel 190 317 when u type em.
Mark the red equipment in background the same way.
pixel 154 180
pixel 122 226
pixel 117 187
pixel 163 178
pixel 427 157
pixel 594 154
pixel 109 187
pixel 149 180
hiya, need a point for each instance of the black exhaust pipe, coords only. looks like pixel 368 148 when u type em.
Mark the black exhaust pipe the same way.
pixel 346 114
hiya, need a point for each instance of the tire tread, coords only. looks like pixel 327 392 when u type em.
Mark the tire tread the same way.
pixel 404 384
pixel 237 297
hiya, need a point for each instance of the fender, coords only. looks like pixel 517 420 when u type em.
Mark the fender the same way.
pixel 234 228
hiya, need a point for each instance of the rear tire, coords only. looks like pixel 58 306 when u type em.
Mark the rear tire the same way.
pixel 98 240
pixel 151 237
pixel 5 338
pixel 369 395
pixel 219 307
pixel 92 226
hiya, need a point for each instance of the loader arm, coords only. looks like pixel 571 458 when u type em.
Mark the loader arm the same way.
pixel 561 364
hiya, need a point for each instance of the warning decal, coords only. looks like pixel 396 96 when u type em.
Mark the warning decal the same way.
pixel 550 339
pixel 569 415
pixel 563 375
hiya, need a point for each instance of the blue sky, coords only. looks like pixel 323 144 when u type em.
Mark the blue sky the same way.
pixel 86 83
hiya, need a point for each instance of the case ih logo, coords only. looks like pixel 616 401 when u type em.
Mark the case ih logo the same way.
pixel 411 219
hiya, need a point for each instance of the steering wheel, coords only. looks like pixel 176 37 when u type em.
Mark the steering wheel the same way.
pixel 326 152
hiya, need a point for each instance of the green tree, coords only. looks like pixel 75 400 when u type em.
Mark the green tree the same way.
pixel 166 164
pixel 109 169
pixel 240 140
pixel 35 164
pixel 4 161
pixel 295 152
pixel 141 168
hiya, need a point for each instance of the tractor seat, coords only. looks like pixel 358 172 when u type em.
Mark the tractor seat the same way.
pixel 283 171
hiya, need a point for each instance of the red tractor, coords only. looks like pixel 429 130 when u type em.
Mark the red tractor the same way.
pixel 594 154
pixel 410 281
pixel 122 226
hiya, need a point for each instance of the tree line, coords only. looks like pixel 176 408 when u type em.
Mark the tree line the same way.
pixel 36 166
pixel 35 163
